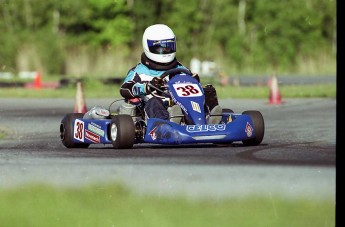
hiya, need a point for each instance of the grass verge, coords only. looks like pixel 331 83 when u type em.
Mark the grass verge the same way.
pixel 114 205
pixel 98 90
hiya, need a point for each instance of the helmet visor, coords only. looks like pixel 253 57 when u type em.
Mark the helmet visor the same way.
pixel 165 46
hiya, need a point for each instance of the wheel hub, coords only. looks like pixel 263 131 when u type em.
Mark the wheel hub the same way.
pixel 113 132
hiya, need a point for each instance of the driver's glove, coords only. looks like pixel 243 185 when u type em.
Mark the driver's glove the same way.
pixel 196 76
pixel 157 82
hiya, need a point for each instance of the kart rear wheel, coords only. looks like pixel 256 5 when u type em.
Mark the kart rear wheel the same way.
pixel 227 110
pixel 122 131
pixel 66 131
pixel 259 128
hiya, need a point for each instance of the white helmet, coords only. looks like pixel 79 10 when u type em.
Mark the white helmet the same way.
pixel 159 43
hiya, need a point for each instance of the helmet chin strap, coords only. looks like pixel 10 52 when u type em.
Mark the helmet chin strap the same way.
pixel 157 66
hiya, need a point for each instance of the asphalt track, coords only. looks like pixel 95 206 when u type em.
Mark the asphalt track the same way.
pixel 296 158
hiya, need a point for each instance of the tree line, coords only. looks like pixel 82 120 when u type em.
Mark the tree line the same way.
pixel 67 37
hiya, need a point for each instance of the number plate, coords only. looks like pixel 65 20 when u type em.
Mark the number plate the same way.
pixel 187 90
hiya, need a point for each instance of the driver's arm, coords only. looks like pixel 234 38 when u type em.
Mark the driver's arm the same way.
pixel 133 86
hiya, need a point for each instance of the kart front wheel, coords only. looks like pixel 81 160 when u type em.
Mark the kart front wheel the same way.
pixel 66 131
pixel 122 131
pixel 259 128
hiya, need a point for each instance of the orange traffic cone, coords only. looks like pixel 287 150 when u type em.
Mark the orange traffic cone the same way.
pixel 275 97
pixel 38 81
pixel 79 103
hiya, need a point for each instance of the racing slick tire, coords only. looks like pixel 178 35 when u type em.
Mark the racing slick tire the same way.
pixel 227 110
pixel 67 129
pixel 122 131
pixel 259 128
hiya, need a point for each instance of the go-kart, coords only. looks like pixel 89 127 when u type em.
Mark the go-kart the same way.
pixel 194 127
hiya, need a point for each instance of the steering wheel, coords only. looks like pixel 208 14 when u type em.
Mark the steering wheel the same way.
pixel 171 73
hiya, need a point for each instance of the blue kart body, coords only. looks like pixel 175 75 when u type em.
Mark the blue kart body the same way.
pixel 184 91
pixel 164 132
pixel 238 127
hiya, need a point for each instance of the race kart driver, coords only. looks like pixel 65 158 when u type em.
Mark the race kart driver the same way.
pixel 159 45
